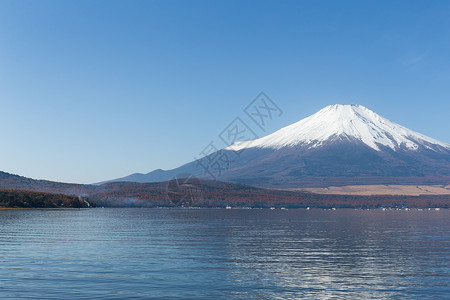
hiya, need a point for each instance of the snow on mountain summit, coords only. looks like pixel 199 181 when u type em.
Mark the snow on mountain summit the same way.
pixel 343 121
pixel 337 146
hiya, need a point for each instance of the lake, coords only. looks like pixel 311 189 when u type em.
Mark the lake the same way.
pixel 224 254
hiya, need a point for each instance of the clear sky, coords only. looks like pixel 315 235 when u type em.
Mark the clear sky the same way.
pixel 95 90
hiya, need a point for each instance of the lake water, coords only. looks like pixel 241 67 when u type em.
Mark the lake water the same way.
pixel 224 254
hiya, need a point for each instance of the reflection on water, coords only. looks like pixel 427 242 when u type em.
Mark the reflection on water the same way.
pixel 224 254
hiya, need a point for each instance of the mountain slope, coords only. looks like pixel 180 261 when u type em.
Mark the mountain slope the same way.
pixel 339 145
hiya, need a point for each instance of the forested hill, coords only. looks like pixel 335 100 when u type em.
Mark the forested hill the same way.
pixel 20 191
pixel 27 199
pixel 16 182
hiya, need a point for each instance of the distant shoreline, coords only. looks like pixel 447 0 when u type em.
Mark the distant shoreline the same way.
pixel 37 208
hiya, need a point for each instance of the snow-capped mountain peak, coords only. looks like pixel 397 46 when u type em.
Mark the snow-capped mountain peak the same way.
pixel 338 145
pixel 343 121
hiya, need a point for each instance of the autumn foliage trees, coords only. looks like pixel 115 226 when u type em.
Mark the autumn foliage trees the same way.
pixel 27 199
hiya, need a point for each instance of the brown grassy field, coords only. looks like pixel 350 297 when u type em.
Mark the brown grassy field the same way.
pixel 378 190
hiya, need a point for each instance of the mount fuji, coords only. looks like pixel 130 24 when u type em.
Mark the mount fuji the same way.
pixel 338 145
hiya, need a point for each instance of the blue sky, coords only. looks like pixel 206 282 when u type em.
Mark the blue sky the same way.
pixel 94 90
